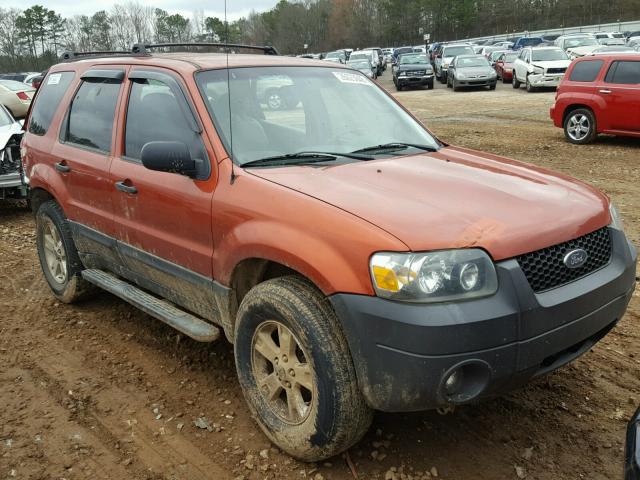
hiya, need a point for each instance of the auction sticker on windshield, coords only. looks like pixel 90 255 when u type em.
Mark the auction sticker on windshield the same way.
pixel 54 79
pixel 346 77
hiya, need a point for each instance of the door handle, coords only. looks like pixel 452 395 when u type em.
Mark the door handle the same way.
pixel 63 167
pixel 606 92
pixel 123 187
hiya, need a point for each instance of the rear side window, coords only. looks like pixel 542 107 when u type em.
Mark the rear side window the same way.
pixel 155 114
pixel 624 72
pixel 586 71
pixel 51 92
pixel 90 120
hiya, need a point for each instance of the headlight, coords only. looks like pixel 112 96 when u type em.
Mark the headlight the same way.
pixel 445 66
pixel 460 76
pixel 439 276
pixel 493 74
pixel 538 70
pixel 616 219
pixel 402 74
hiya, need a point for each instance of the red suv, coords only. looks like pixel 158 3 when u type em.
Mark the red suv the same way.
pixel 599 94
pixel 355 261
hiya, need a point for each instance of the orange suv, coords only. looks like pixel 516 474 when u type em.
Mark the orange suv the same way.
pixel 355 261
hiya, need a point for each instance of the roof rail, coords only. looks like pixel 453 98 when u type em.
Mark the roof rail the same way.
pixel 143 49
pixel 70 56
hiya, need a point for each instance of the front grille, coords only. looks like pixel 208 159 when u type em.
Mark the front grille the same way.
pixel 556 70
pixel 416 73
pixel 545 268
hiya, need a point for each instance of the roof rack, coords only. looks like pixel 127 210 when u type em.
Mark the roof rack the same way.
pixel 143 49
pixel 69 55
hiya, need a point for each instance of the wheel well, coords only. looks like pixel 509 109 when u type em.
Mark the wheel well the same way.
pixel 38 196
pixel 572 108
pixel 249 273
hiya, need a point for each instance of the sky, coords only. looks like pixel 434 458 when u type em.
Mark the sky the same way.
pixel 212 8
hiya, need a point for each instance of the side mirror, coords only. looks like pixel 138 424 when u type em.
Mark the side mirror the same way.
pixel 172 157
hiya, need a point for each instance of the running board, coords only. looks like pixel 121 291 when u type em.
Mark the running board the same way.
pixel 182 321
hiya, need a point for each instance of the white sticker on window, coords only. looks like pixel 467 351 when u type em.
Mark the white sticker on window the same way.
pixel 54 79
pixel 348 77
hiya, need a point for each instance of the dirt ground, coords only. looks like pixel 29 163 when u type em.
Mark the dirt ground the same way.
pixel 101 390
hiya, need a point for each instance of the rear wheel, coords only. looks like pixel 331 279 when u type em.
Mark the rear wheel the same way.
pixel 504 80
pixel 580 126
pixel 296 370
pixel 58 256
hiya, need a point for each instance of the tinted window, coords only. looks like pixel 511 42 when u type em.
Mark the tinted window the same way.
pixel 51 92
pixel 154 114
pixel 90 120
pixel 586 71
pixel 627 73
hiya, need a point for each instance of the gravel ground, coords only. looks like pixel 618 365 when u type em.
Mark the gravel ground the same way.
pixel 100 390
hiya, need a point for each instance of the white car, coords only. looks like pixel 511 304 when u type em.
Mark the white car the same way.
pixel 11 184
pixel 370 55
pixel 443 60
pixel 581 46
pixel 566 41
pixel 610 38
pixel 538 67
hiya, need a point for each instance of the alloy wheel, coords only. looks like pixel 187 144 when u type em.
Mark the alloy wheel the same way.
pixel 282 372
pixel 578 127
pixel 54 252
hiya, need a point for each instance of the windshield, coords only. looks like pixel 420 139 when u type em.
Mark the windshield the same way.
pixel 285 110
pixel 510 57
pixel 548 55
pixel 413 59
pixel 5 118
pixel 360 56
pixel 496 55
pixel 580 42
pixel 363 64
pixel 472 62
pixel 334 55
pixel 529 42
pixel 455 51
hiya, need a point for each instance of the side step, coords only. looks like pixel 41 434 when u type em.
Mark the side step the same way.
pixel 182 321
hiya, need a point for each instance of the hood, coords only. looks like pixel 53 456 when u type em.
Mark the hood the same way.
pixel 581 51
pixel 455 198
pixel 476 70
pixel 552 64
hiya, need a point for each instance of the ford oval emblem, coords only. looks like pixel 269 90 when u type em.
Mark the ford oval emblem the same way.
pixel 575 258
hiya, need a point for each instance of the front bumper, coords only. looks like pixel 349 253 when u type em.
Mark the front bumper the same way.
pixel 476 82
pixel 403 353
pixel 542 80
pixel 415 81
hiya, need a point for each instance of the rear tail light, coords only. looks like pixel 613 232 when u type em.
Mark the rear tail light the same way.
pixel 22 96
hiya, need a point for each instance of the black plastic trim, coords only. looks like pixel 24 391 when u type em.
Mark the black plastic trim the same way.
pixel 110 74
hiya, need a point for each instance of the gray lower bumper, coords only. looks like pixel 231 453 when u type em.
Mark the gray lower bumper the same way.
pixel 404 352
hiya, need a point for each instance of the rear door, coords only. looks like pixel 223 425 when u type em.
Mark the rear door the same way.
pixel 163 220
pixel 620 92
pixel 84 149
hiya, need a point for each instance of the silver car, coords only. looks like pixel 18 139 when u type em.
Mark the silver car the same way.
pixel 471 71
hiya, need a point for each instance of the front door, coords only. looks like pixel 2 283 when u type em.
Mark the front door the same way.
pixel 163 220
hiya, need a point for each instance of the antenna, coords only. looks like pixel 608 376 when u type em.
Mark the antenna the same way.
pixel 226 27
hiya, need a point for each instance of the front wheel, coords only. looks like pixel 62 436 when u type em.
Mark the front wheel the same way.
pixel 515 83
pixel 58 256
pixel 296 372
pixel 430 85
pixel 580 126
pixel 530 88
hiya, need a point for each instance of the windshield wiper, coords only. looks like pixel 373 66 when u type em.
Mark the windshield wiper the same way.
pixel 301 158
pixel 391 147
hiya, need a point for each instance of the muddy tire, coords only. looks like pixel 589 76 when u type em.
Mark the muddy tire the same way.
pixel 296 371
pixel 58 256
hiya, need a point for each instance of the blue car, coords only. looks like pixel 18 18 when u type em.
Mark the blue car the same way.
pixel 527 42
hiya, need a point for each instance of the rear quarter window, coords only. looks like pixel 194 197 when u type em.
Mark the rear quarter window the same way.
pixel 47 100
pixel 586 71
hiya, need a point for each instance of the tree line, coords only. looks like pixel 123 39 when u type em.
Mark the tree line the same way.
pixel 33 39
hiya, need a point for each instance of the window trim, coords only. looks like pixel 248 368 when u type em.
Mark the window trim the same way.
pixel 188 111
pixel 64 125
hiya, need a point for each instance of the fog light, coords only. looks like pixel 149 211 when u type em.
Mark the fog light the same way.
pixel 469 276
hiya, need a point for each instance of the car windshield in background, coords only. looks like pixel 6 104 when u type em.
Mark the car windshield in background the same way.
pixel 454 51
pixel 413 59
pixel 359 64
pixel 548 55
pixel 530 42
pixel 510 58
pixel 15 86
pixel 581 42
pixel 5 118
pixel 472 62
pixel 334 55
pixel 360 56
pixel 277 111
